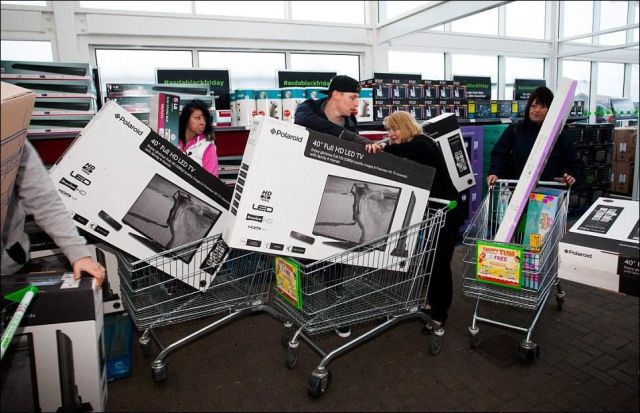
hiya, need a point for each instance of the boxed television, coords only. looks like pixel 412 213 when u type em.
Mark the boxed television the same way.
pixel 345 198
pixel 164 199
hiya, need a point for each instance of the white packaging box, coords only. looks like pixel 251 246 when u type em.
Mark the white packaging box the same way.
pixel 269 103
pixel 291 98
pixel 315 93
pixel 129 187
pixel 325 196
pixel 365 108
pixel 245 107
pixel 444 130
pixel 234 110
pixel 602 249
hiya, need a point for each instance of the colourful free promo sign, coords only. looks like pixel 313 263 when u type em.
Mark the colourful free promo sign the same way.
pixel 288 281
pixel 499 264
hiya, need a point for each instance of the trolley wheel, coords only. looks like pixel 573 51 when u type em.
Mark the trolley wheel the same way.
pixel 318 385
pixel 527 353
pixel 559 302
pixel 435 344
pixel 292 357
pixel 285 337
pixel 474 340
pixel 159 373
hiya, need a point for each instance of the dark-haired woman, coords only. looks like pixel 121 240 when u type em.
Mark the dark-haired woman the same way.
pixel 511 152
pixel 196 136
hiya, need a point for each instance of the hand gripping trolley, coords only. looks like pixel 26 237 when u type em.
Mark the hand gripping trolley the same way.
pixel 154 298
pixel 333 293
pixel 539 269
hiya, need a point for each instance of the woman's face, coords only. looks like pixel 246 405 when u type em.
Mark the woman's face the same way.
pixel 537 112
pixel 395 135
pixel 196 123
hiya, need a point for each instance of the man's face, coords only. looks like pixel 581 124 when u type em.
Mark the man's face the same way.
pixel 347 102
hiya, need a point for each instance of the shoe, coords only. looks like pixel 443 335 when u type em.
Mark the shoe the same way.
pixel 343 331
pixel 427 329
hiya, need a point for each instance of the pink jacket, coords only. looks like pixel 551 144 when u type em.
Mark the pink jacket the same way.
pixel 202 151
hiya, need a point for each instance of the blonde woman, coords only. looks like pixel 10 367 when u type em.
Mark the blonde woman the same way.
pixel 406 140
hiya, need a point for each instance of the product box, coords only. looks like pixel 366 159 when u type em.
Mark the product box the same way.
pixel 164 116
pixel 365 110
pixel 17 106
pixel 54 103
pixel 345 197
pixel 149 89
pixel 223 117
pixel 624 143
pixel 129 187
pixel 444 130
pixel 45 68
pixel 234 110
pixel 602 248
pixel 52 84
pixel 622 177
pixel 541 215
pixel 291 98
pixel 269 103
pixel 245 107
pixel 314 92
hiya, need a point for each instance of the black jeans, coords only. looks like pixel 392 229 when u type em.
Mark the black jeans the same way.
pixel 440 293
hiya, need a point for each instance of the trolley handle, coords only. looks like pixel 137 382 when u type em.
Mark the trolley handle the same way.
pixel 446 203
pixel 545 183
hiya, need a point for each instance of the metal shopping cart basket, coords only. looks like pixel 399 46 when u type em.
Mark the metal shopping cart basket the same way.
pixel 538 273
pixel 352 288
pixel 154 298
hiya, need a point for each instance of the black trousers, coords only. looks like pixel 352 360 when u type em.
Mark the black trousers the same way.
pixel 440 294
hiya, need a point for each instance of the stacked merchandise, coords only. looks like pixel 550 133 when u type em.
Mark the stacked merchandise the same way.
pixel 495 109
pixel 472 197
pixel 490 135
pixel 65 102
pixel 424 99
pixel 624 150
pixel 594 146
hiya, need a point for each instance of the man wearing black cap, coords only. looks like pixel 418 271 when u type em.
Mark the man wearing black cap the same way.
pixel 334 114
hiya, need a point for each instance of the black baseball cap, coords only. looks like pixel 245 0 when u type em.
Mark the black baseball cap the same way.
pixel 342 83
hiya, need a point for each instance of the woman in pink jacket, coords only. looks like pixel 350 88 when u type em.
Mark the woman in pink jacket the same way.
pixel 196 135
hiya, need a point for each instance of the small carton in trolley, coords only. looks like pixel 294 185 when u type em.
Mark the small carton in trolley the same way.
pixel 306 194
pixel 129 187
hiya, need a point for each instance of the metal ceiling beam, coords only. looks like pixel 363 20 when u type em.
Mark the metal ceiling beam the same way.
pixel 432 15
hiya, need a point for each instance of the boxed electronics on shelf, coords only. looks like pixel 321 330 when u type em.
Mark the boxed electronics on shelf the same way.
pixel 345 197
pixel 164 199
pixel 601 249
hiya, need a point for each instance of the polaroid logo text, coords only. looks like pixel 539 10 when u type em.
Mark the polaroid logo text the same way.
pixel 128 124
pixel 578 254
pixel 285 135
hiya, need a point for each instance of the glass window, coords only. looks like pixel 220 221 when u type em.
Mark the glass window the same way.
pixel 141 64
pixel 521 68
pixel 157 6
pixel 342 64
pixel 610 79
pixel 634 83
pixel 525 19
pixel 32 51
pixel 246 70
pixel 613 14
pixel 387 10
pixel 326 11
pixel 26 3
pixel 430 65
pixel 473 65
pixel 580 71
pixel 265 9
pixel 480 23
pixel 577 19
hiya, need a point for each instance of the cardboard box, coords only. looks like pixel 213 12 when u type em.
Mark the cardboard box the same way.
pixel 365 110
pixel 444 130
pixel 45 68
pixel 269 103
pixel 345 197
pixel 291 98
pixel 17 106
pixel 541 215
pixel 622 177
pixel 602 248
pixel 164 116
pixel 245 107
pixel 624 143
pixel 127 186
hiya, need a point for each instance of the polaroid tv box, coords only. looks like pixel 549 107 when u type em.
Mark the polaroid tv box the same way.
pixel 444 130
pixel 128 186
pixel 310 195
pixel 17 107
pixel 602 247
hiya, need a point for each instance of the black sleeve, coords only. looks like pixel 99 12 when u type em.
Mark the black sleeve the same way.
pixel 306 116
pixel 571 164
pixel 501 153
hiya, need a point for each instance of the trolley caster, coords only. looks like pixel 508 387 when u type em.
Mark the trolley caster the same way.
pixel 159 373
pixel 559 302
pixel 528 352
pixel 145 346
pixel 435 344
pixel 474 340
pixel 292 357
pixel 319 382
pixel 287 333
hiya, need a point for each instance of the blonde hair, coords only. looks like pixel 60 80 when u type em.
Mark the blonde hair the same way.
pixel 405 123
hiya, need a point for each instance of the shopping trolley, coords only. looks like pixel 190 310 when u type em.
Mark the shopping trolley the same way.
pixel 154 298
pixel 335 292
pixel 539 271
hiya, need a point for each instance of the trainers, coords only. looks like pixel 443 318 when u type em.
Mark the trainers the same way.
pixel 427 329
pixel 343 331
